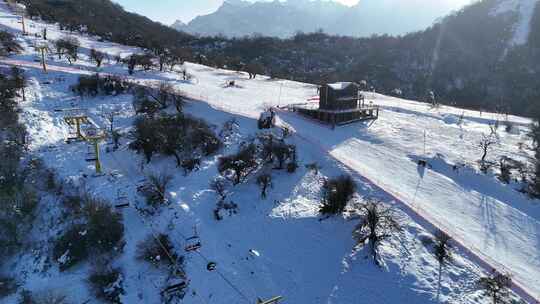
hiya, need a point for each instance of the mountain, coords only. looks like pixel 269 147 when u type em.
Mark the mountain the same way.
pixel 277 19
pixel 283 19
pixel 484 56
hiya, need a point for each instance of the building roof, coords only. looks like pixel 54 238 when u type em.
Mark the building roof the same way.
pixel 339 85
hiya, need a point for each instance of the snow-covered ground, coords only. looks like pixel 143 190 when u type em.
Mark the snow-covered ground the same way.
pixel 301 258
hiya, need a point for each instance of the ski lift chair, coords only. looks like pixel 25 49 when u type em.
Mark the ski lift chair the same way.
pixel 122 200
pixel 176 286
pixel 273 300
pixel 193 243
pixel 91 154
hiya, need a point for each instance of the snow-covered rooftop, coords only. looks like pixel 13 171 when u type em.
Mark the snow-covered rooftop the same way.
pixel 340 85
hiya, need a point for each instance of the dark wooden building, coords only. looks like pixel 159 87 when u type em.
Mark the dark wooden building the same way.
pixel 339 96
pixel 339 103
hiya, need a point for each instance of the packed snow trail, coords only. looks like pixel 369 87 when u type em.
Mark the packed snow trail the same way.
pixel 504 237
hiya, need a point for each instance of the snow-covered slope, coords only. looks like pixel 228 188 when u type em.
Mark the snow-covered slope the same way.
pixel 301 258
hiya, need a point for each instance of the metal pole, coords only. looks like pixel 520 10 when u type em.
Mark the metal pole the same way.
pixel 43 60
pixel 98 163
pixel 279 98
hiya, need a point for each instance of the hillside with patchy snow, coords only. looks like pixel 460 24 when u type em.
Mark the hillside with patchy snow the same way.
pixel 280 245
pixel 524 10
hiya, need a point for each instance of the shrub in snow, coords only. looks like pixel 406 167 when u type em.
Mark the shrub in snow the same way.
pixel 505 175
pixel 314 167
pixel 101 233
pixel 8 286
pixel 68 46
pixel 229 129
pixel 225 209
pixel 25 297
pixel 8 44
pixel 97 57
pixel 266 120
pixel 254 68
pixel 45 297
pixel 94 85
pixel 158 251
pixel 72 247
pixel 377 224
pixel 292 165
pixel 145 61
pixel 237 167
pixel 276 151
pixel 155 188
pixel 180 136
pixel 442 251
pixel 337 193
pixel 219 185
pixel 497 287
pixel 107 283
pixel 190 165
pixel 264 181
pixel 166 94
pixel 105 227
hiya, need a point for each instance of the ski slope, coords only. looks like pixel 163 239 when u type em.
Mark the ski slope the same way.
pixel 301 258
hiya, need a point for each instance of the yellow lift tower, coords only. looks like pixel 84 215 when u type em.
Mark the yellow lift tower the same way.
pixel 75 121
pixel 76 118
pixel 94 139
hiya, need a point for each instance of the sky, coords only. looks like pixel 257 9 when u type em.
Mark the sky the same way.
pixel 168 11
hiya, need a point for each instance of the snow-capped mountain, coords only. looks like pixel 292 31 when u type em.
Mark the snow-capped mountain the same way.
pixel 284 19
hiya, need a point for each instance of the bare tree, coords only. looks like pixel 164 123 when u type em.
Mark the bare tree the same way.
pixel 497 287
pixel 97 57
pixel 485 144
pixel 253 69
pixel 19 80
pixel 377 224
pixel 219 185
pixel 68 46
pixel 155 188
pixel 337 192
pixel 441 250
pixel 264 181
pixel 237 167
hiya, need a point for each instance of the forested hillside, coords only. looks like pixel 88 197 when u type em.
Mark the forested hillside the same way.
pixel 467 59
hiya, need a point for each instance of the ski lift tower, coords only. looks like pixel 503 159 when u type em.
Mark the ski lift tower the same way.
pixel 42 47
pixel 75 118
pixel 19 9
pixel 94 136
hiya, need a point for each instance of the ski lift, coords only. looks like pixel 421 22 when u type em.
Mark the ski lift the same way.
pixel 176 286
pixel 211 266
pixel 193 243
pixel 122 200
pixel 91 154
pixel 273 300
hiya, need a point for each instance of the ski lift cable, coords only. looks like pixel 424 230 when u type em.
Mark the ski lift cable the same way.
pixel 226 279
pixel 175 262
pixel 229 282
